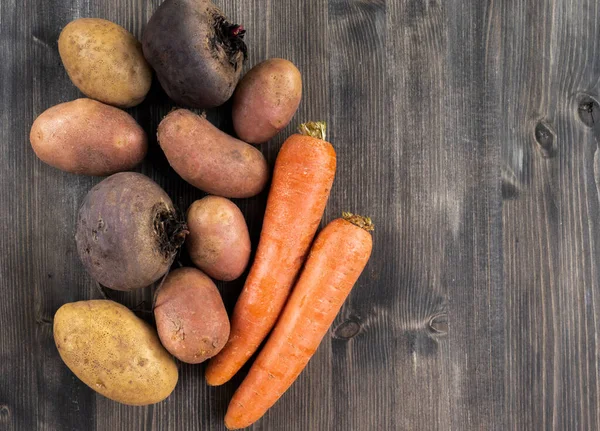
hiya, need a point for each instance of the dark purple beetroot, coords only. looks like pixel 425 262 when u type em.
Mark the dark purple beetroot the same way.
pixel 197 54
pixel 128 231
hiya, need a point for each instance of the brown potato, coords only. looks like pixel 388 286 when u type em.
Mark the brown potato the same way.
pixel 105 62
pixel 266 99
pixel 210 159
pixel 190 316
pixel 218 242
pixel 114 352
pixel 88 137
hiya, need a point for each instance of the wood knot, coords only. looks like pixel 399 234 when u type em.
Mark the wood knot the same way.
pixel 438 324
pixel 4 413
pixel 44 321
pixel 545 139
pixel 510 184
pixel 347 329
pixel 588 110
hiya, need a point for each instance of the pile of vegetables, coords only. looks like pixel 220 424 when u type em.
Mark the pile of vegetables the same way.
pixel 129 233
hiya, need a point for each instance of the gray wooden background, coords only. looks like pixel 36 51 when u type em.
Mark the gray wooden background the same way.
pixel 467 129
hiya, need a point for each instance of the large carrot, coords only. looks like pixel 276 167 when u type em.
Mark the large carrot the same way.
pixel 336 260
pixel 302 179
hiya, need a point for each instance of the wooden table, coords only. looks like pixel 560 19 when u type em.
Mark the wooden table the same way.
pixel 467 129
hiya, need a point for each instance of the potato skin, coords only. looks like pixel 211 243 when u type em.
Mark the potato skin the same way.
pixel 190 316
pixel 105 62
pixel 114 352
pixel 119 239
pixel 218 242
pixel 193 62
pixel 266 99
pixel 209 159
pixel 88 137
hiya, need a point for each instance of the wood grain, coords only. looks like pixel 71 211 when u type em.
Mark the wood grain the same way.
pixel 469 130
pixel 551 226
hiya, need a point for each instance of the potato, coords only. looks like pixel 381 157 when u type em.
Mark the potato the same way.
pixel 88 137
pixel 210 159
pixel 105 62
pixel 218 242
pixel 196 52
pixel 128 231
pixel 266 99
pixel 190 316
pixel 114 352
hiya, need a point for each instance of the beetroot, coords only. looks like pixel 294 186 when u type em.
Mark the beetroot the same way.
pixel 128 231
pixel 196 52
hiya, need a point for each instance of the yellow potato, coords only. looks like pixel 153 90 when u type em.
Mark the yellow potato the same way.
pixel 105 62
pixel 114 352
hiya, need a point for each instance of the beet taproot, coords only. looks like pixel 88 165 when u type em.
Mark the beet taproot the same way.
pixel 128 231
pixel 196 52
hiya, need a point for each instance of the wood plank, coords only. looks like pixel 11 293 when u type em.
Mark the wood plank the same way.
pixel 551 225
pixel 18 406
pixel 54 197
pixel 361 338
pixel 447 318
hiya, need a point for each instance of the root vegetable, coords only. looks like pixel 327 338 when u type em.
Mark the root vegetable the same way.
pixel 128 231
pixel 336 260
pixel 302 179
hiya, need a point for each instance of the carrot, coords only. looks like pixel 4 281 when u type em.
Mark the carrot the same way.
pixel 336 260
pixel 302 179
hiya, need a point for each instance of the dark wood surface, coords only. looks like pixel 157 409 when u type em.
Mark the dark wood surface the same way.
pixel 467 129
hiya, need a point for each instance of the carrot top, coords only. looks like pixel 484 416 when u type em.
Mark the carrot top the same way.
pixel 360 221
pixel 316 129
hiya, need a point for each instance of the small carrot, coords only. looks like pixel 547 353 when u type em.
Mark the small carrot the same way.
pixel 302 178
pixel 336 260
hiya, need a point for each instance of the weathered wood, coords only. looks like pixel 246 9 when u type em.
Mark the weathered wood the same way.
pixel 447 310
pixel 468 130
pixel 551 224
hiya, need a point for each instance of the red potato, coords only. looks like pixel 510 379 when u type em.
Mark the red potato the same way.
pixel 88 137
pixel 210 159
pixel 218 242
pixel 190 316
pixel 266 99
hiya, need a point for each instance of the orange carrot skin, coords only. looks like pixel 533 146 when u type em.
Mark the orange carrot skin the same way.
pixel 302 179
pixel 336 260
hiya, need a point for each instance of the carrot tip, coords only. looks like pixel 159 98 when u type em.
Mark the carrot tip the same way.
pixel 316 129
pixel 232 425
pixel 360 221
pixel 214 381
